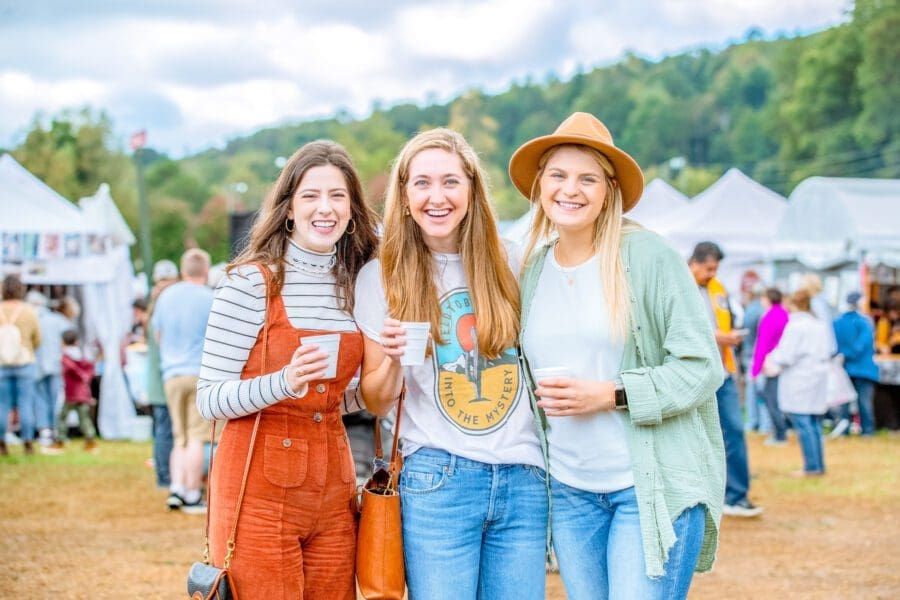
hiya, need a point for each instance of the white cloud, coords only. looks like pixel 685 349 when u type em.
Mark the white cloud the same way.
pixel 197 72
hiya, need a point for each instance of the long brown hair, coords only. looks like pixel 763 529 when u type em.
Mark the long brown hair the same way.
pixel 407 265
pixel 608 230
pixel 269 237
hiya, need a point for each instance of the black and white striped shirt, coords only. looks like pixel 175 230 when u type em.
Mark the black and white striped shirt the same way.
pixel 238 313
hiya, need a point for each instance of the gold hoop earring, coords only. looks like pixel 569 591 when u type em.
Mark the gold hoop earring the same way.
pixel 349 231
pixel 289 225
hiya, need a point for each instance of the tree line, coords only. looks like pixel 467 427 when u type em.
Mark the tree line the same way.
pixel 780 110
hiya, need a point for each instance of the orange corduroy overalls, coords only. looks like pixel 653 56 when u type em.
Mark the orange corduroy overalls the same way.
pixel 296 532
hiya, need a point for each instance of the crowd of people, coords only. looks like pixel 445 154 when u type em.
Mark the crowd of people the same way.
pixel 45 371
pixel 583 389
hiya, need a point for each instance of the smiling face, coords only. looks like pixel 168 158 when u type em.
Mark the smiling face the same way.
pixel 320 208
pixel 437 192
pixel 573 190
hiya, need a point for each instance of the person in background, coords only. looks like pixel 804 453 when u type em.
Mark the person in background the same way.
pixel 78 372
pixel 887 330
pixel 802 356
pixel 636 460
pixel 179 323
pixel 819 305
pixel 48 358
pixel 165 273
pixel 704 263
pixel 20 336
pixel 855 337
pixel 757 416
pixel 771 326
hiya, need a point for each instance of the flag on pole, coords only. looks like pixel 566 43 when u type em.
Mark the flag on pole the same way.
pixel 138 139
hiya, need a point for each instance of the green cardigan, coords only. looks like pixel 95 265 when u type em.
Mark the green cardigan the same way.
pixel 671 370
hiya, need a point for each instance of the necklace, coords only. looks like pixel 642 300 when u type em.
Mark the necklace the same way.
pixel 315 268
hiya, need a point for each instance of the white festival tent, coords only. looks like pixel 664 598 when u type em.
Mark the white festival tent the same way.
pixel 657 204
pixel 48 240
pixel 738 214
pixel 833 220
pixel 833 224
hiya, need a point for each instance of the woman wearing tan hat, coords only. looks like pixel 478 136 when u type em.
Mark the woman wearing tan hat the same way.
pixel 473 487
pixel 635 451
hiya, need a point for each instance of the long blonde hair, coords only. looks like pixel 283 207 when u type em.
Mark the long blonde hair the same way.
pixel 609 228
pixel 268 236
pixel 408 268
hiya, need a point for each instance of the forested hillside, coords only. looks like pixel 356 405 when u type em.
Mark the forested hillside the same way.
pixel 783 110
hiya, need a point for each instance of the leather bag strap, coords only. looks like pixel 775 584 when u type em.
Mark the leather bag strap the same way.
pixel 394 465
pixel 230 544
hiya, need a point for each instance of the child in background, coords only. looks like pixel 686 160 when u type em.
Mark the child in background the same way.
pixel 77 375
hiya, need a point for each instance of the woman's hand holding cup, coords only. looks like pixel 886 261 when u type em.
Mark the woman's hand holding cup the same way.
pixel 307 364
pixel 393 339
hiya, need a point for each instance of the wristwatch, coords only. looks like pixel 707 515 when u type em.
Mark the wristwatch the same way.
pixel 621 397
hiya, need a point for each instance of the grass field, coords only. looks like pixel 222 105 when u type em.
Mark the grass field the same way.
pixel 93 526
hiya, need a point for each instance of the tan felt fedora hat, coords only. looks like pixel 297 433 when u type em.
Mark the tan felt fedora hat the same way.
pixel 587 130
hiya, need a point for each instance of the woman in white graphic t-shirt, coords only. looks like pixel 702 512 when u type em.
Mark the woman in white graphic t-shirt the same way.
pixel 474 498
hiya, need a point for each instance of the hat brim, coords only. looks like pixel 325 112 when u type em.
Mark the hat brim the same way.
pixel 523 165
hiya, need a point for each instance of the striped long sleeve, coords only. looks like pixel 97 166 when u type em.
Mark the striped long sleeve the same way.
pixel 236 318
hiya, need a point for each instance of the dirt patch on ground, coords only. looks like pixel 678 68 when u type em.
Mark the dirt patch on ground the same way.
pixel 93 526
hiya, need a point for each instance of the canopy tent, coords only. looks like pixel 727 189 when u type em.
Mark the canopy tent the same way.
pixel 657 204
pixel 48 240
pixel 738 214
pixel 833 220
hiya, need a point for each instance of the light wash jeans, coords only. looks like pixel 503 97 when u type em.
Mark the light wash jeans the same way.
pixel 809 434
pixel 47 390
pixel 597 539
pixel 17 390
pixel 472 530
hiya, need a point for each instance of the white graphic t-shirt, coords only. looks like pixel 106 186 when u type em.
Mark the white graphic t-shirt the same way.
pixel 458 400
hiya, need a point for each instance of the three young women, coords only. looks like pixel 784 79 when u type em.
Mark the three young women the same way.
pixel 473 490
pixel 296 533
pixel 636 458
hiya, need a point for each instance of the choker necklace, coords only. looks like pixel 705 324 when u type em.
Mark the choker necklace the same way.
pixel 315 268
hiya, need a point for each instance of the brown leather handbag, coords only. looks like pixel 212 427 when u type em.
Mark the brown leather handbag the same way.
pixel 380 573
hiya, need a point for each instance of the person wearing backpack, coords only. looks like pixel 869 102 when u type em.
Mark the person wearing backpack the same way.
pixel 20 334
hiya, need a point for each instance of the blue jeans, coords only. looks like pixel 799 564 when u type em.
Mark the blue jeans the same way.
pixel 471 529
pixel 47 390
pixel 779 423
pixel 809 433
pixel 865 390
pixel 758 418
pixel 737 476
pixel 17 389
pixel 162 443
pixel 598 544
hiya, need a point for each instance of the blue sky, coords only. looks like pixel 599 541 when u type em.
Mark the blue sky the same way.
pixel 195 73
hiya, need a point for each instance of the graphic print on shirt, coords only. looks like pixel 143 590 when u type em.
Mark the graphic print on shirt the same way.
pixel 474 393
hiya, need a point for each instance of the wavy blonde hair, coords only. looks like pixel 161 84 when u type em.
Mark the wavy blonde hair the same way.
pixel 268 237
pixel 609 228
pixel 408 268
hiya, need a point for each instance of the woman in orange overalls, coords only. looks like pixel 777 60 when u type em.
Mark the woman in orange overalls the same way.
pixel 296 531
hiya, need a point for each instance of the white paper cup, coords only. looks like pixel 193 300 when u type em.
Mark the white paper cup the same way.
pixel 548 372
pixel 416 342
pixel 329 343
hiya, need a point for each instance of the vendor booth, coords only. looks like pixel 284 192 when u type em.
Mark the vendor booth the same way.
pixel 658 202
pixel 848 231
pixel 47 240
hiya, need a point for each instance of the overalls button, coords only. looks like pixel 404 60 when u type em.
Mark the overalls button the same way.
pixel 320 388
pixel 317 417
pixel 286 442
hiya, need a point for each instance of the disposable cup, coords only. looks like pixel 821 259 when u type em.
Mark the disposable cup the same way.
pixel 548 372
pixel 416 342
pixel 329 343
